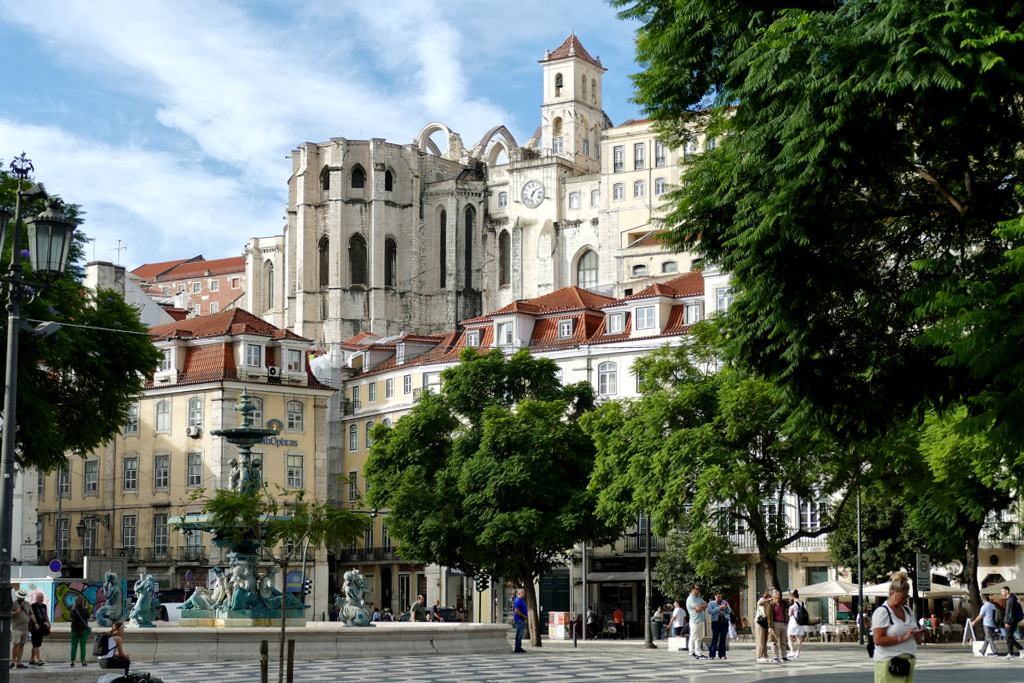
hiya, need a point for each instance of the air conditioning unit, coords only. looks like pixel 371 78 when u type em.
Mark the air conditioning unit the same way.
pixel 274 371
pixel 194 432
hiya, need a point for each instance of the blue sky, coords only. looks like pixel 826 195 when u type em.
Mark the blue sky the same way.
pixel 170 122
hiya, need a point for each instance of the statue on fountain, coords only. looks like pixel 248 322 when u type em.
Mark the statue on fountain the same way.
pixel 144 612
pixel 112 609
pixel 352 609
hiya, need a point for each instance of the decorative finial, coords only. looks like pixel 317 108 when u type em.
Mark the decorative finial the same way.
pixel 547 54
pixel 572 48
pixel 22 166
pixel 246 407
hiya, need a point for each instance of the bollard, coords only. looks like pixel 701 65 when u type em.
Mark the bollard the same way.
pixel 264 662
pixel 291 659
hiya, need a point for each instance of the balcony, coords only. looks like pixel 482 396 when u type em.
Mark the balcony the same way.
pixel 745 542
pixel 191 555
pixel 367 555
pixel 636 543
pixel 618 167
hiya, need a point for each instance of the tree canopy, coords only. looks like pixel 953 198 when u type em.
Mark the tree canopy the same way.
pixel 76 386
pixel 491 474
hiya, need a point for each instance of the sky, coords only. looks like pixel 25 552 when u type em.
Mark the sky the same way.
pixel 171 122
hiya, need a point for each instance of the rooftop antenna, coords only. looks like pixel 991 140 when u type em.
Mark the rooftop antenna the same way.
pixel 118 249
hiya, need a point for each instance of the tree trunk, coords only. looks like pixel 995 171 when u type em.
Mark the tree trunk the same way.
pixel 769 565
pixel 971 568
pixel 532 613
pixel 284 594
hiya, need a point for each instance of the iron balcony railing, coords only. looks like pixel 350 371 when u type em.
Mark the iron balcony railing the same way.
pixel 367 555
pixel 637 543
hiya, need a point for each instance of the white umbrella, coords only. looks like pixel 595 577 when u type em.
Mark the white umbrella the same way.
pixel 1015 586
pixel 829 589
pixel 882 589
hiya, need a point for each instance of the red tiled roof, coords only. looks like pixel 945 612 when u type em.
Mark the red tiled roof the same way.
pixel 208 363
pixel 223 266
pixel 561 300
pixel 688 284
pixel 362 338
pixel 232 321
pixel 176 313
pixel 652 239
pixel 150 271
pixel 562 51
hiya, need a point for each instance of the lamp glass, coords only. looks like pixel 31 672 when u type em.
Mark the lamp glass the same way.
pixel 49 243
pixel 5 217
pixel 80 529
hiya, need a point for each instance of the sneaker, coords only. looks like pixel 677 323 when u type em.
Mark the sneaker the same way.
pixel 991 654
pixel 72 664
pixel 84 664
pixel 795 655
pixel 712 658
pixel 722 658
pixel 703 657
pixel 784 659
pixel 762 660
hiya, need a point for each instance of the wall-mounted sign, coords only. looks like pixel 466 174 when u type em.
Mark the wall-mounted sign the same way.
pixel 278 427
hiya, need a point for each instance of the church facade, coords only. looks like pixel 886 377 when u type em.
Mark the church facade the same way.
pixel 388 238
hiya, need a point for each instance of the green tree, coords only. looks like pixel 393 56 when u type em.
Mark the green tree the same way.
pixel 75 387
pixel 677 573
pixel 869 151
pixel 490 475
pixel 712 451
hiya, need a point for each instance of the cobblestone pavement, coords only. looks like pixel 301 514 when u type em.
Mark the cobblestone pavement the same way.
pixel 609 662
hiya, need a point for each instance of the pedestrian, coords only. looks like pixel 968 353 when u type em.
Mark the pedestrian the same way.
pixel 987 615
pixel 620 627
pixel 435 611
pixel 332 615
pixel 374 613
pixel 19 629
pixel 675 625
pixel 419 609
pixel 761 626
pixel 116 658
pixel 592 630
pixel 387 616
pixel 519 619
pixel 719 614
pixel 793 628
pixel 80 631
pixel 777 626
pixel 1011 619
pixel 39 625
pixel 696 607
pixel 895 635
pixel 656 623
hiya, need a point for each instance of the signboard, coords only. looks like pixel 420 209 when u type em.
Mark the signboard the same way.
pixel 294 582
pixel 192 580
pixel 923 565
pixel 558 625
pixel 55 566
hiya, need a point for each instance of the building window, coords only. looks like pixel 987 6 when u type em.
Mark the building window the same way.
pixel 236 283
pixel 618 159
pixel 194 546
pixel 724 298
pixel 256 416
pixel 371 390
pixel 163 416
pixel 618 192
pixel 323 249
pixel 41 485
pixel 294 363
pixel 160 535
pixel 358 178
pixel 470 216
pixel 586 271
pixel 325 182
pixel 389 388
pixel 353 438
pixel 128 529
pixel 131 474
pixel 165 289
pixel 504 334
pixel 369 428
pixel 39 533
pixel 595 197
pixel 356 391
pixel 215 307
pixel 197 309
pixel 565 328
pixel 692 313
pixel 165 361
pixel 638 189
pixel 195 412
pixel 558 85
pixel 442 229
pixel 161 471
pixel 557 145
pixel 473 338
pixel 407 384
pixel 357 260
pixel 195 470
pixel 638 156
pixel 181 287
pixel 89 537
pixel 659 155
pixel 353 485
pixel 574 200
pixel 710 144
pixel 92 477
pixel 390 263
pixel 645 318
pixel 502 200
pixel 385 537
pixel 615 323
pixel 660 186
pixel 132 426
pixel 670 267
pixel 268 277
pixel 389 181
pixel 214 285
pixel 63 535
pixel 606 379
pixel 504 258
pixel 586 147
pixel 253 355
pixel 294 413
pixel 197 287
pixel 640 271
pixel 294 473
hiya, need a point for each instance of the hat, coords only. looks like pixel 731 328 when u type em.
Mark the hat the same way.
pixel 22 593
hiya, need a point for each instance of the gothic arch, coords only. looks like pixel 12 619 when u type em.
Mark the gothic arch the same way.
pixel 357 260
pixel 586 275
pixel 503 141
pixel 424 142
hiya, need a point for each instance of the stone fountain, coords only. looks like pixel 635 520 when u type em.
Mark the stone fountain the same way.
pixel 240 597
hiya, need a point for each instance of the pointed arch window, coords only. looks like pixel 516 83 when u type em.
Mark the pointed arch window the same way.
pixel 358 178
pixel 323 251
pixel 357 260
pixel 468 247
pixel 586 271
pixel 268 278
pixel 325 182
pixel 390 263
pixel 443 244
pixel 504 258
pixel 389 181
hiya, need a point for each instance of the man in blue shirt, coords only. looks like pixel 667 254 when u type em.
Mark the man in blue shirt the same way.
pixel 988 617
pixel 696 606
pixel 519 619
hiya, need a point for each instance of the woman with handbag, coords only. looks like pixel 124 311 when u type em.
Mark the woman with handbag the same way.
pixel 80 631
pixel 762 626
pixel 895 634
pixel 39 627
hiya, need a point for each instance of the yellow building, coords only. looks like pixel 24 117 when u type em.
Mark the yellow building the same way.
pixel 118 499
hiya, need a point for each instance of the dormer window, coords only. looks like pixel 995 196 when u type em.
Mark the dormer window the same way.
pixel 504 334
pixel 645 318
pixel 692 313
pixel 165 362
pixel 615 323
pixel 473 338
pixel 294 361
pixel 252 355
pixel 565 328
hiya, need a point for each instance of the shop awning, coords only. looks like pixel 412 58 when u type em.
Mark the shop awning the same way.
pixel 612 577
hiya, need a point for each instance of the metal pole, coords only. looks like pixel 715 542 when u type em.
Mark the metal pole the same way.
pixel 60 510
pixel 648 642
pixel 7 457
pixel 586 603
pixel 860 577
pixel 264 662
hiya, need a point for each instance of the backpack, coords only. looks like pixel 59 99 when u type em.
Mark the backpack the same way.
pixel 802 617
pixel 1018 611
pixel 101 644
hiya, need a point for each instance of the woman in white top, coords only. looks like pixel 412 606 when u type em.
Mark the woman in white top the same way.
pixel 793 628
pixel 895 631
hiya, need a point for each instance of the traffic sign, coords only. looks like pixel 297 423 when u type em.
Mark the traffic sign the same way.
pixel 55 566
pixel 188 575
pixel 924 572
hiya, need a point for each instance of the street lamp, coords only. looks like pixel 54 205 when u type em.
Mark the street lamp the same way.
pixel 50 237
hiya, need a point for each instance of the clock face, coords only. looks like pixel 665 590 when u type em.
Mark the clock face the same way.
pixel 533 194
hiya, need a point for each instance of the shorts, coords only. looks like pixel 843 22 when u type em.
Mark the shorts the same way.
pixel 37 638
pixel 18 636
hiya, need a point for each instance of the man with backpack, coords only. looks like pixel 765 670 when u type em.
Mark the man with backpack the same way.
pixel 1013 615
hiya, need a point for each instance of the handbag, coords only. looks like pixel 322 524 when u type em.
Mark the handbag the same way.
pixel 762 621
pixel 898 666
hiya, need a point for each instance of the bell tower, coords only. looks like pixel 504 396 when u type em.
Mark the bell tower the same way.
pixel 571 114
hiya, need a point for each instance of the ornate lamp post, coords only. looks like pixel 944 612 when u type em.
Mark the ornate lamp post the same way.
pixel 50 237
